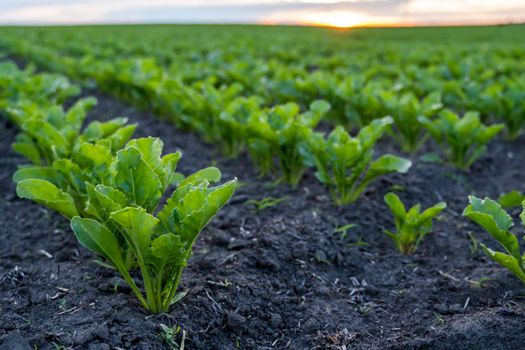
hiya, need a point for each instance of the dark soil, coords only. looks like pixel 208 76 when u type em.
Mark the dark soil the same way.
pixel 279 278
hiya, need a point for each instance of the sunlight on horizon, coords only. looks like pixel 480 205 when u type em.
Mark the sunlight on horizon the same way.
pixel 331 18
pixel 342 19
pixel 332 13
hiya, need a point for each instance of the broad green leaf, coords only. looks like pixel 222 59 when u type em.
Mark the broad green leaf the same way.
pixel 29 150
pixel 193 218
pixel 210 174
pixel 431 212
pixel 387 164
pixel 96 237
pixel 510 262
pixel 138 228
pixel 511 199
pixel 489 215
pixel 168 249
pixel 136 179
pixel 396 206
pixel 40 173
pixel 47 194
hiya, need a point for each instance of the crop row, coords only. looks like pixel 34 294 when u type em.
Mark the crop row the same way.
pixel 270 102
pixel 109 185
pixel 193 78
pixel 249 111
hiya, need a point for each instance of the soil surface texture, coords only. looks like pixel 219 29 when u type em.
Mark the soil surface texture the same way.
pixel 278 278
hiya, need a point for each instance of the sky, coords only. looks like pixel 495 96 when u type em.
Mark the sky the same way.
pixel 306 12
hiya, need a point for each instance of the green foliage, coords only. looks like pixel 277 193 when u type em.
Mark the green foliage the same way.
pixel 507 102
pixel 74 169
pixel 345 164
pixel 116 194
pixel 511 199
pixel 161 245
pixel 25 88
pixel 52 134
pixel 463 140
pixel 405 110
pixel 266 202
pixel 46 193
pixel 411 226
pixel 168 334
pixel 279 132
pixel 122 227
pixel 494 219
pixel 232 124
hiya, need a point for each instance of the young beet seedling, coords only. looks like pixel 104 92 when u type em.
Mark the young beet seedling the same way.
pixel 122 225
pixel 494 219
pixel 463 140
pixel 63 184
pixel 344 163
pixel 412 225
pixel 406 130
pixel 279 132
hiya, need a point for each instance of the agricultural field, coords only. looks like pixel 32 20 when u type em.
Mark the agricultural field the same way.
pixel 262 187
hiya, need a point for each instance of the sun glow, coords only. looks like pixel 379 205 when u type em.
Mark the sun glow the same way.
pixel 334 19
pixel 337 19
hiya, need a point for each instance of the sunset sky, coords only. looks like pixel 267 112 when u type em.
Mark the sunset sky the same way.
pixel 307 12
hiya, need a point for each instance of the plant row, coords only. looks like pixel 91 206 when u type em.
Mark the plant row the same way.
pixel 361 82
pixel 283 138
pixel 109 185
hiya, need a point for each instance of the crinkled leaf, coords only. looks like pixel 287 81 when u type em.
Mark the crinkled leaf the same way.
pixel 136 179
pixel 47 194
pixel 96 237
pixel 387 164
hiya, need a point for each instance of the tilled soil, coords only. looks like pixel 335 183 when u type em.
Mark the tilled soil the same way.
pixel 280 278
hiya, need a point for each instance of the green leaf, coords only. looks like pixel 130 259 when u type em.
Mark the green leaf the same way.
pixel 168 250
pixel 387 164
pixel 45 193
pixel 210 174
pixel 396 206
pixel 488 214
pixel 197 211
pixel 27 148
pixel 103 200
pixel 48 137
pixel 151 152
pixel 138 227
pixel 510 262
pixel 431 212
pixel 372 132
pixel 96 237
pixel 136 179
pixel 511 199
pixel 40 173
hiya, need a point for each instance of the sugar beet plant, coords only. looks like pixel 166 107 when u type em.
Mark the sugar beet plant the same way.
pixel 463 140
pixel 494 219
pixel 52 134
pixel 280 132
pixel 406 129
pixel 412 225
pixel 111 188
pixel 115 217
pixel 232 123
pixel 117 220
pixel 124 219
pixel 66 159
pixel 345 163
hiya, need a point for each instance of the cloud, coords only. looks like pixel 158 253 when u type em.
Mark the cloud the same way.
pixel 406 12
